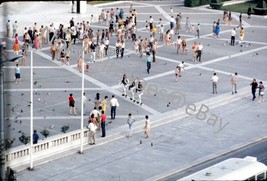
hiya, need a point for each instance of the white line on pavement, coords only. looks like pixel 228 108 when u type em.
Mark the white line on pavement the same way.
pixel 191 66
pixel 52 89
pixel 98 83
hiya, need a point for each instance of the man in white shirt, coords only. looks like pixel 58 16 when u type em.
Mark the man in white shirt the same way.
pixel 199 51
pixel 234 79
pixel 113 105
pixel 181 68
pixel 101 51
pixel 106 43
pixel 15 28
pixel 214 80
pixel 84 101
pixel 92 134
pixel 233 34
pixel 151 23
pixel 122 48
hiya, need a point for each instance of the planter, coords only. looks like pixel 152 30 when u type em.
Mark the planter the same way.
pixel 216 5
pixel 260 11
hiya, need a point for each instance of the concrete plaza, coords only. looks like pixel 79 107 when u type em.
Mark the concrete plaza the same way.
pixel 180 138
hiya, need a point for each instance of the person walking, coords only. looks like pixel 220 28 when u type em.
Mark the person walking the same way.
pixel 180 69
pixel 84 102
pixel 8 26
pixel 234 79
pixel 254 86
pixel 124 83
pixel 104 104
pixel 122 48
pixel 177 73
pixel 148 62
pixel 118 46
pixel 130 122
pixel 53 50
pixel 184 46
pixel 178 44
pixel 103 123
pixel 233 34
pixel 242 34
pixel 214 80
pixel 16 45
pixel 154 50
pixel 195 48
pixel 198 30
pixel 217 30
pixel 15 29
pixel 199 51
pixel 35 137
pixel 261 91
pixel 113 105
pixel 147 127
pixel 17 74
pixel 92 132
pixel 72 105
pixel 249 11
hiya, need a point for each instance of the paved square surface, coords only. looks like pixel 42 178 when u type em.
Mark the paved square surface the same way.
pixel 180 139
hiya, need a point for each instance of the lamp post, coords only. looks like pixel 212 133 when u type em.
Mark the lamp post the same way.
pixel 31 121
pixel 82 102
pixel 2 131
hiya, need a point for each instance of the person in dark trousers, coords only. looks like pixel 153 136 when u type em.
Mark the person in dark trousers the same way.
pixel 118 46
pixel 233 34
pixel 103 123
pixel 35 137
pixel 148 62
pixel 254 86
pixel 122 48
pixel 113 105
pixel 249 11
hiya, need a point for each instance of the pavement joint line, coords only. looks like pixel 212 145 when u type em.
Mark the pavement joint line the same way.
pixel 51 89
pixel 244 23
pixel 160 10
pixel 100 84
pixel 205 159
pixel 66 117
pixel 244 41
pixel 201 66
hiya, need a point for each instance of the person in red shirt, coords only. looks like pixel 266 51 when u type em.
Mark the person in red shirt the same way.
pixel 72 105
pixel 103 123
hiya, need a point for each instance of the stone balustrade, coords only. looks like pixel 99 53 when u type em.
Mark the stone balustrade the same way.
pixel 20 156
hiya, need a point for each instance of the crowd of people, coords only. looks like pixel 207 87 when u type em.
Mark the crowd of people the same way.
pixel 123 29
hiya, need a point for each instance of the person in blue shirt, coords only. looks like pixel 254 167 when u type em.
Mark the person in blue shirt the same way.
pixel 35 137
pixel 148 62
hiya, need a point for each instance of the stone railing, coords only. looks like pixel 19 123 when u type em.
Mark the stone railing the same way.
pixel 20 156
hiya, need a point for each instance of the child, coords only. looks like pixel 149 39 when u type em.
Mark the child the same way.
pixel 161 32
pixel 62 56
pixel 68 57
pixel 146 25
pixel 23 59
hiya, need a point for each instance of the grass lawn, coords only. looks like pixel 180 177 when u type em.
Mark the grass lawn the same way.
pixel 241 7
